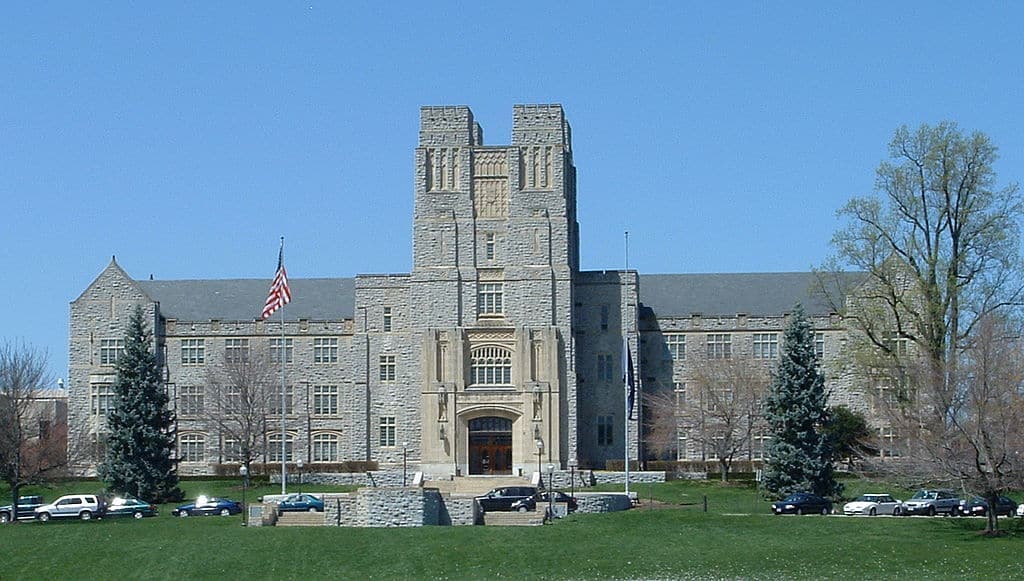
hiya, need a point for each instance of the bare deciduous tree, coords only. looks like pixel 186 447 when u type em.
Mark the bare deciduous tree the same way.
pixel 722 410
pixel 243 392
pixel 661 434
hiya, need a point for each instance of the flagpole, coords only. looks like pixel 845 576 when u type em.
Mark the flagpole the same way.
pixel 284 437
pixel 625 379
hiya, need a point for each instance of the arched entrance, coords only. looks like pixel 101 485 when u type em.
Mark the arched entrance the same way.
pixel 490 446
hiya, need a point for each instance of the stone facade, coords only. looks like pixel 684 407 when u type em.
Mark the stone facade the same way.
pixel 494 355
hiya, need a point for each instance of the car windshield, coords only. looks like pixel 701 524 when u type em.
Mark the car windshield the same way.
pixel 923 495
pixel 793 498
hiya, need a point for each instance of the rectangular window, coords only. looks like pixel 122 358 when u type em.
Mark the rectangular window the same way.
pixel 604 430
pixel 386 323
pixel 191 400
pixel 325 350
pixel 680 389
pixel 289 401
pixel 192 448
pixel 719 345
pixel 110 350
pixel 233 400
pixel 236 350
pixel 896 344
pixel 193 351
pixel 758 445
pixel 605 367
pixel 819 344
pixel 490 298
pixel 604 318
pixel 232 450
pixel 388 430
pixel 676 343
pixel 101 399
pixel 275 350
pixel 325 400
pixel 387 367
pixel 766 345
pixel 325 448
pixel 274 448
pixel 489 246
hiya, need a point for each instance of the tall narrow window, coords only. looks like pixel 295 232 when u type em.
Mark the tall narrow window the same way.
pixel 604 317
pixel 101 399
pixel 325 400
pixel 191 397
pixel 490 298
pixel 604 430
pixel 605 367
pixel 325 447
pixel 274 447
pixel 275 350
pixel 386 323
pixel 388 429
pixel 489 247
pixel 192 448
pixel 289 401
pixel 387 368
pixel 819 344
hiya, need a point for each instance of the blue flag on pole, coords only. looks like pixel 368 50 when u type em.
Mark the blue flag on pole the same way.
pixel 628 379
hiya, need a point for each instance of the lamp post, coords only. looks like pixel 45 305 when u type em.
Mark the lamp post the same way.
pixel 572 477
pixel 244 472
pixel 405 461
pixel 551 490
pixel 299 465
pixel 540 453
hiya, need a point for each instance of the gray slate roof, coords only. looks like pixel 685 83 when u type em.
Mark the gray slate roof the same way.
pixel 242 299
pixel 753 294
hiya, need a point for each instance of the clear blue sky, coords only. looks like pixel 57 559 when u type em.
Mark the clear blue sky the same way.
pixel 187 138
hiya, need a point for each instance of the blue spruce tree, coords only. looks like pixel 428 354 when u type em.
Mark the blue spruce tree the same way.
pixel 140 443
pixel 800 452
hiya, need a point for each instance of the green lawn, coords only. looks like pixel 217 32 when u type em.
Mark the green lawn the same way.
pixel 736 538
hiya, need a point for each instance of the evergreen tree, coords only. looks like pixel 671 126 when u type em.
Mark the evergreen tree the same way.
pixel 799 453
pixel 140 443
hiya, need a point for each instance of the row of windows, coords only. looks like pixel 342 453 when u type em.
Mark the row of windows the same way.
pixel 192 400
pixel 719 345
pixel 325 447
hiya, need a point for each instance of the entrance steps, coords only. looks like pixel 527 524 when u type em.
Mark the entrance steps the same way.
pixel 300 519
pixel 476 485
pixel 514 519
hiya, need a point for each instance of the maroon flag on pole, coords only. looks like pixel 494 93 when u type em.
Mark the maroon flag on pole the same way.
pixel 280 295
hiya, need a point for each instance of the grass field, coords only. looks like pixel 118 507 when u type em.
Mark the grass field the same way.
pixel 736 539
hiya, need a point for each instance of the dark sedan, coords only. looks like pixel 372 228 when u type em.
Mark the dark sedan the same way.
pixel 204 506
pixel 978 506
pixel 300 503
pixel 530 503
pixel 133 507
pixel 502 498
pixel 802 503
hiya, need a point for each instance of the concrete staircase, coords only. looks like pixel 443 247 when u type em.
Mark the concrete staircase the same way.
pixel 476 485
pixel 514 519
pixel 300 519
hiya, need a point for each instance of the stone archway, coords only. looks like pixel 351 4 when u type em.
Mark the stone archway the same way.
pixel 490 445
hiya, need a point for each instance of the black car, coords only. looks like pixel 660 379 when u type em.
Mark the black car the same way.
pixel 530 503
pixel 502 499
pixel 802 503
pixel 26 509
pixel 204 506
pixel 978 506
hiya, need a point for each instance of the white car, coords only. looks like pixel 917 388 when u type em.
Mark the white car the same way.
pixel 83 506
pixel 1020 509
pixel 872 504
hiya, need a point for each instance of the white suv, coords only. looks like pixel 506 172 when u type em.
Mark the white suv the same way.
pixel 83 506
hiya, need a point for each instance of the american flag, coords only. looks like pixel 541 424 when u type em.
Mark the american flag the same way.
pixel 280 295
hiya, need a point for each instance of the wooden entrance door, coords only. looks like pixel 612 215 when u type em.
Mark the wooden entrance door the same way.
pixel 490 446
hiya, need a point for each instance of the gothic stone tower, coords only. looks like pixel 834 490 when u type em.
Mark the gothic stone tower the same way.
pixel 495 255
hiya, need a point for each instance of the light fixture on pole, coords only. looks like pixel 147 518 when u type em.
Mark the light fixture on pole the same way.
pixel 405 461
pixel 572 477
pixel 551 490
pixel 540 453
pixel 300 465
pixel 244 472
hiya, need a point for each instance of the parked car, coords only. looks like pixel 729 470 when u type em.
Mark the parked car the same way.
pixel 133 507
pixel 978 506
pixel 530 503
pixel 501 499
pixel 205 506
pixel 83 506
pixel 26 509
pixel 300 503
pixel 1020 509
pixel 802 503
pixel 872 504
pixel 932 502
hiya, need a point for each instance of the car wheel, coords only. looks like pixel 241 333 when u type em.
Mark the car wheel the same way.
pixel 522 509
pixel 184 514
pixel 871 512
pixel 800 511
pixel 930 511
pixel 312 509
pixel 824 510
pixel 44 516
pixel 4 518
pixel 85 515
pixel 896 511
pixel 137 515
pixel 225 512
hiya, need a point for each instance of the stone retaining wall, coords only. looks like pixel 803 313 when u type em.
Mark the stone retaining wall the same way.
pixel 615 477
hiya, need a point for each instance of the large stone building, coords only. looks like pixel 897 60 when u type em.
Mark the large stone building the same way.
pixel 495 355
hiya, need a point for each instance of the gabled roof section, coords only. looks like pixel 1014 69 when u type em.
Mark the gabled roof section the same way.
pixel 113 282
pixel 242 299
pixel 755 294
